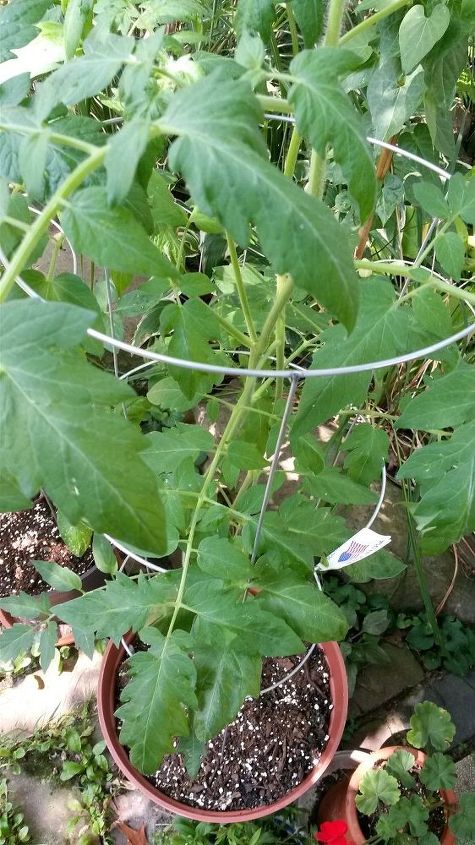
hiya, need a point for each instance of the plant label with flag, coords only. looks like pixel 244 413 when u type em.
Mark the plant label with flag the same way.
pixel 363 544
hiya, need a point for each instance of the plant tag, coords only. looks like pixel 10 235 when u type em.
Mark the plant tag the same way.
pixel 363 544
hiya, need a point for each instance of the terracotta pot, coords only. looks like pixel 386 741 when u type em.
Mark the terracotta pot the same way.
pixel 106 704
pixel 339 802
pixel 90 580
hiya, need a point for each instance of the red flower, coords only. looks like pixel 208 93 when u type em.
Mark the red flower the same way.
pixel 333 833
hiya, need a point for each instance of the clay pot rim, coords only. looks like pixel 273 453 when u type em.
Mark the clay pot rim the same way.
pixel 57 597
pixel 354 831
pixel 106 704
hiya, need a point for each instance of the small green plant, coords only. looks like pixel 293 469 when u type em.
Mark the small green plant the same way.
pixel 279 828
pixel 13 829
pixel 402 800
pixel 65 751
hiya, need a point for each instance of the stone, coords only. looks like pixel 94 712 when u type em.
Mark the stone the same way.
pixel 465 774
pixel 404 592
pixel 42 696
pixel 45 806
pixel 381 682
pixel 454 694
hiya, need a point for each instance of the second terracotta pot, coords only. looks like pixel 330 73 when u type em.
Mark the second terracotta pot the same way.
pixel 106 703
pixel 339 802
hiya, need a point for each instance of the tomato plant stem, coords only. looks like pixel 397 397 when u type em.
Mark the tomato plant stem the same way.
pixel 241 288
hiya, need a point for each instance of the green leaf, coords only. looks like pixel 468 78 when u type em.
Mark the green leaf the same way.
pixel 309 17
pixel 255 16
pixel 111 237
pixel 77 14
pixel 254 630
pixel 17 21
pixel 47 644
pixel 60 433
pixel 103 554
pixel 32 160
pixel 121 605
pixel 221 155
pixel 463 822
pixel 245 455
pixel 311 614
pixel 393 98
pixel 308 454
pixel 375 622
pixel 223 559
pixel 28 607
pixel 400 764
pixel 84 76
pixel 432 200
pixel 225 677
pixel 367 449
pixel 58 577
pixel 334 487
pixel 447 401
pixel 192 750
pixel 383 329
pixel 411 814
pixel 418 34
pixel 189 341
pixel 123 155
pixel 461 197
pixel 165 211
pixel 325 114
pixel 15 641
pixel 443 66
pixel 153 710
pixel 167 449
pixel 431 727
pixel 439 772
pixel 76 537
pixel 376 786
pixel 379 566
pixel 70 770
pixel 167 394
pixel 450 253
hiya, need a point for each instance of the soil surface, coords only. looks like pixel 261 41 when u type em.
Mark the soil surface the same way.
pixel 273 743
pixel 33 535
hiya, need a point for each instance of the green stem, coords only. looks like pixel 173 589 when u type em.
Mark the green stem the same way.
pixel 292 154
pixel 318 165
pixel 55 137
pixel 232 330
pixel 393 269
pixel 57 243
pixel 40 226
pixel 372 20
pixel 280 341
pixel 241 289
pixel 274 104
pixel 16 224
pixel 293 29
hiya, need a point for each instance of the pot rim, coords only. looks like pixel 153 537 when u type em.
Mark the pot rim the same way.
pixel 106 704
pixel 354 830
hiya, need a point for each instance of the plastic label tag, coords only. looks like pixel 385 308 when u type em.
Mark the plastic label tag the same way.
pixel 363 544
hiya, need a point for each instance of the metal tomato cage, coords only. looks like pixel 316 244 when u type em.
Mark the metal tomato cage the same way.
pixel 293 375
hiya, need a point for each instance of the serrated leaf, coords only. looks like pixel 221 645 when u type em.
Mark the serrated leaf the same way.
pixel 450 253
pixel 32 160
pixel 410 815
pixel 76 537
pixel 448 401
pixel 192 750
pixel 325 114
pixel 314 616
pixel 15 641
pixel 103 554
pixel 461 197
pixel 418 33
pixel 376 786
pixel 382 329
pixel 334 487
pixel 379 566
pixel 400 764
pixel 168 448
pixel 392 98
pixel 60 433
pixel 166 393
pixel 47 644
pixel 225 677
pixel 111 237
pixel 219 145
pixel 463 822
pixel 431 727
pixel 59 577
pixel 367 449
pixel 165 211
pixel 223 559
pixel 26 606
pixel 432 200
pixel 84 76
pixel 122 158
pixel 245 455
pixel 17 21
pixel 309 16
pixel 438 772
pixel 77 14
pixel 121 605
pixel 153 703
